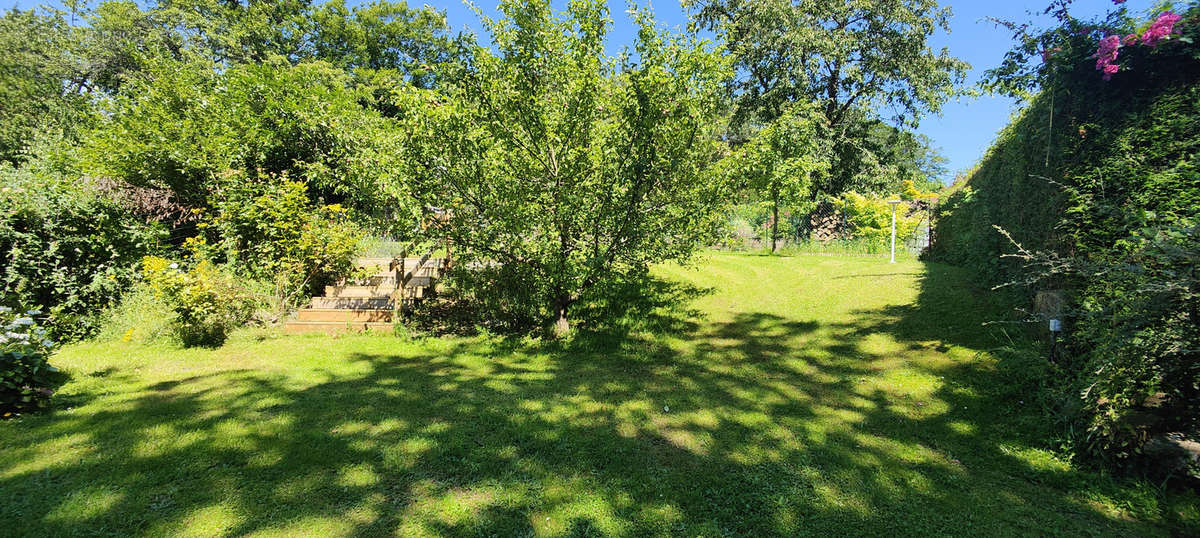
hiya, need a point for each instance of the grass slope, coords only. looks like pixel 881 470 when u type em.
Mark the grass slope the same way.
pixel 791 396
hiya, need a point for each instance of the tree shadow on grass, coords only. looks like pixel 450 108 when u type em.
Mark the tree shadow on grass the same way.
pixel 740 431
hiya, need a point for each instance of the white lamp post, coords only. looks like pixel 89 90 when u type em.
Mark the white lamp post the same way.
pixel 894 203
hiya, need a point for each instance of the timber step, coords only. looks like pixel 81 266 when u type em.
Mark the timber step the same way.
pixel 352 303
pixel 369 303
pixel 333 327
pixel 417 284
pixel 365 315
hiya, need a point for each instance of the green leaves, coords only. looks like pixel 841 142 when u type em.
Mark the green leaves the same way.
pixel 553 156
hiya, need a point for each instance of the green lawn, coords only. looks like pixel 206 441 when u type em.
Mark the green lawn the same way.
pixel 806 395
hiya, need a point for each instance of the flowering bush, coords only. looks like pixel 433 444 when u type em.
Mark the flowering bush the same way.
pixel 26 377
pixel 871 219
pixel 206 300
pixel 1161 28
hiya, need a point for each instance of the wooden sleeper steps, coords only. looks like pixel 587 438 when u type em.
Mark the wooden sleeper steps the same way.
pixel 369 304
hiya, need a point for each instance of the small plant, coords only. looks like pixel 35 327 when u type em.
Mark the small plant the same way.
pixel 26 377
pixel 206 300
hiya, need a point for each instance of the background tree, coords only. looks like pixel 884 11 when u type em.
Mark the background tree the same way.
pixel 40 79
pixel 566 165
pixel 782 160
pixel 860 61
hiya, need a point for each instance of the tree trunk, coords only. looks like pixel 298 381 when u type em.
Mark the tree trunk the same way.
pixel 774 219
pixel 561 325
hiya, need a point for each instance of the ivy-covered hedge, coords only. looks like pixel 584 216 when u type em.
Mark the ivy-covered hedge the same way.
pixel 1098 181
pixel 66 247
pixel 1129 144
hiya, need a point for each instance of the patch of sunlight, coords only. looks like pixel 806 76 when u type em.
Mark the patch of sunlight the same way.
pixel 830 497
pixel 436 427
pixel 454 508
pixel 164 438
pixel 388 425
pixel 1036 459
pixel 627 430
pixel 703 418
pixel 696 443
pixel 69 449
pixel 298 487
pixel 264 458
pixel 574 503
pixel 332 525
pixel 358 475
pixel 839 414
pixel 85 504
pixel 212 520
pixel 663 516
pixel 500 385
pixel 962 428
pixel 408 452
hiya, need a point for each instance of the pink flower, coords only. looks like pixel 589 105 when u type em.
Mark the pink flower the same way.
pixel 1162 27
pixel 1130 39
pixel 1106 55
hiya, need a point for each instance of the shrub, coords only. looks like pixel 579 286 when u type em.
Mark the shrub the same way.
pixel 26 378
pixel 66 247
pixel 270 231
pixel 870 219
pixel 206 300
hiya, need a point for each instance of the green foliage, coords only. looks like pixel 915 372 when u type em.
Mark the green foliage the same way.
pixel 189 124
pixel 552 156
pixel 40 80
pixel 853 60
pixel 1139 318
pixel 383 35
pixel 779 162
pixel 1094 186
pixel 870 219
pixel 66 247
pixel 140 316
pixel 207 300
pixel 270 231
pixel 26 378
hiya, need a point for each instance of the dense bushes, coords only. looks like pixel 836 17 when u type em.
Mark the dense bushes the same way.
pixel 1099 182
pixel 870 219
pixel 183 126
pixel 26 378
pixel 66 247
pixel 207 301
pixel 269 230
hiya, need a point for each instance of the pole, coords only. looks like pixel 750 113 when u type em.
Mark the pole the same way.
pixel 893 204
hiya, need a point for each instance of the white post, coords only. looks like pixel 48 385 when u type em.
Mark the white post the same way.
pixel 893 203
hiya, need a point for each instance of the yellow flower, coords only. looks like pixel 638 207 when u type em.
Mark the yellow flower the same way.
pixel 128 336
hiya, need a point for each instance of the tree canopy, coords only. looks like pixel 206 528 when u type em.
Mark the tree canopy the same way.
pixel 564 164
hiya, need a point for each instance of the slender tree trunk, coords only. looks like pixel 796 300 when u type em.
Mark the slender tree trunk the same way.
pixel 561 325
pixel 774 218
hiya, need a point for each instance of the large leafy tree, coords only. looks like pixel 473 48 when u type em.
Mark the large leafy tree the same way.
pixel 859 60
pixel 40 79
pixel 185 125
pixel 782 161
pixel 565 164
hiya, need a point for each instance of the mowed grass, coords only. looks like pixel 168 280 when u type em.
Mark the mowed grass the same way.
pixel 782 396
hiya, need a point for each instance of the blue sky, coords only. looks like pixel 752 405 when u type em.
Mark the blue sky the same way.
pixel 966 127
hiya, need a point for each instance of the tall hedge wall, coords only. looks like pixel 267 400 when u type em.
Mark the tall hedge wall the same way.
pixel 1131 144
